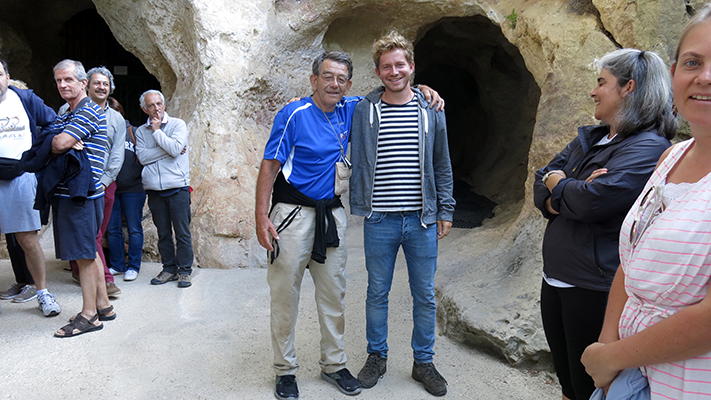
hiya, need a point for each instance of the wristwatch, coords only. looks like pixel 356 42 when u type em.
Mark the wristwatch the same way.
pixel 548 175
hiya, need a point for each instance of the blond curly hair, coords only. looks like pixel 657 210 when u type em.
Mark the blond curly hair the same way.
pixel 392 41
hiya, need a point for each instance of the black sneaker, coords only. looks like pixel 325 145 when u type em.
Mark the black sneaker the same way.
pixel 427 374
pixel 344 381
pixel 374 369
pixel 164 277
pixel 286 387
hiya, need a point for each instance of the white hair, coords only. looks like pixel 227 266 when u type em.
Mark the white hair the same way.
pixel 76 66
pixel 142 99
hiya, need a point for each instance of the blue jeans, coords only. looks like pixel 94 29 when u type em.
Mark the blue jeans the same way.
pixel 130 207
pixel 384 233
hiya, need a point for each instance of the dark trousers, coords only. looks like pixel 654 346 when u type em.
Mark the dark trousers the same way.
pixel 171 214
pixel 17 259
pixel 572 320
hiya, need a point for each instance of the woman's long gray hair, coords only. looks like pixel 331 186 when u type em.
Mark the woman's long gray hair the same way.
pixel 649 105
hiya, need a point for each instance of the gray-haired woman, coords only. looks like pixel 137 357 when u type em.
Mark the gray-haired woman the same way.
pixel 585 192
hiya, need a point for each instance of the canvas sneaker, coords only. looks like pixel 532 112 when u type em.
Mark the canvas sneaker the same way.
pixel 26 294
pixel 48 304
pixel 12 291
pixel 130 275
pixel 115 272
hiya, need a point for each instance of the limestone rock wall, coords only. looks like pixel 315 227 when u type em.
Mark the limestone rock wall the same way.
pixel 227 66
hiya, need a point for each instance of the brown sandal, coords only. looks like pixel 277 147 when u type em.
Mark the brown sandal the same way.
pixel 79 326
pixel 103 314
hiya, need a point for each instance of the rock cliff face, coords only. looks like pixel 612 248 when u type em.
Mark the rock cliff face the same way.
pixel 227 67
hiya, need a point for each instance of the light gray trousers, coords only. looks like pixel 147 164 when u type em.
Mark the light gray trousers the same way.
pixel 284 277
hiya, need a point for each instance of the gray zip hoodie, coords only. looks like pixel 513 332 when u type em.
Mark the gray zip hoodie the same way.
pixel 165 166
pixel 435 166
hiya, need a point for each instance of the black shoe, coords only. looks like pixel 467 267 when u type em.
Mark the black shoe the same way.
pixel 433 382
pixel 184 280
pixel 344 381
pixel 374 369
pixel 286 387
pixel 163 277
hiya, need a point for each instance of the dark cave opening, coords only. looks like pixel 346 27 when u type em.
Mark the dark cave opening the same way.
pixel 491 103
pixel 45 32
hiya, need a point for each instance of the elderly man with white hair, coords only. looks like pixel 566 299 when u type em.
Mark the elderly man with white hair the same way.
pixel 162 148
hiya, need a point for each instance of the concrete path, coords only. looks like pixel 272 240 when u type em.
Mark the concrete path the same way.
pixel 211 341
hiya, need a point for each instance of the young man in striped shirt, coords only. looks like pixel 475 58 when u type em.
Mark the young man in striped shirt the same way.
pixel 76 223
pixel 402 185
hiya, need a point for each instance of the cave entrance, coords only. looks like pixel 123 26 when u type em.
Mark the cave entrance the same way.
pixel 491 102
pixel 37 34
pixel 101 48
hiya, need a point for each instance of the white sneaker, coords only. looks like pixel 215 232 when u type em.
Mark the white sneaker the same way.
pixel 130 274
pixel 114 272
pixel 48 304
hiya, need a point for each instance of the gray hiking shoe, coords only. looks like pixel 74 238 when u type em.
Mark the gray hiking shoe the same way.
pixel 164 277
pixel 374 369
pixel 26 294
pixel 12 291
pixel 48 304
pixel 427 374
pixel 184 280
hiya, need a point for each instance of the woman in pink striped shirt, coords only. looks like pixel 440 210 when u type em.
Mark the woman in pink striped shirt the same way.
pixel 658 316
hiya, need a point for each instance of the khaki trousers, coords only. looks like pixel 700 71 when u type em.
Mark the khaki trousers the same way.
pixel 284 277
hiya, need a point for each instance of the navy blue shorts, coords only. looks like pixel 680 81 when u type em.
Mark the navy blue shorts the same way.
pixel 75 227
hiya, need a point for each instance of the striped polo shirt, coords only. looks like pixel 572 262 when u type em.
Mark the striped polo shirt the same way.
pixel 86 123
pixel 398 185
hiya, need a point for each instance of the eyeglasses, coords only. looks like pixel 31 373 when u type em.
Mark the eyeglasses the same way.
pixel 341 80
pixel 651 206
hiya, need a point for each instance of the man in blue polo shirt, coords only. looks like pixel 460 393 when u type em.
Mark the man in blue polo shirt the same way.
pixel 308 222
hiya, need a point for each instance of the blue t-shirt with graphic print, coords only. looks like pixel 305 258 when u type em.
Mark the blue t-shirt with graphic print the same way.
pixel 305 140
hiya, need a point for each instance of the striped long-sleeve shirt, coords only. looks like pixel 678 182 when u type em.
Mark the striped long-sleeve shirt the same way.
pixel 666 258
pixel 397 184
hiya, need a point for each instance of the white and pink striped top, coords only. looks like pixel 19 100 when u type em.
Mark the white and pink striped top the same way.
pixel 669 269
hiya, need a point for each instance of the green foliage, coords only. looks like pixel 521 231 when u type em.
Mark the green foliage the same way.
pixel 512 18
